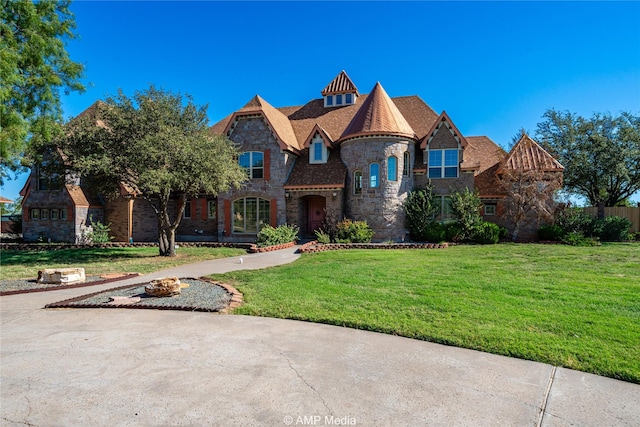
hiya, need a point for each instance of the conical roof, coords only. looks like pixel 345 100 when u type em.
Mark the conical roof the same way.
pixel 378 115
pixel 341 84
pixel 528 155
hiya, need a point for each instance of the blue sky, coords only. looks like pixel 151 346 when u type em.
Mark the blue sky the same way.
pixel 495 67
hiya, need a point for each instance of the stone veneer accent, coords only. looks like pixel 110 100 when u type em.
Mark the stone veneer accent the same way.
pixel 381 207
pixel 297 206
pixel 252 134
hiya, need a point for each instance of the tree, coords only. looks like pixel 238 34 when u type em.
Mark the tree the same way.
pixel 601 155
pixel 157 144
pixel 529 197
pixel 34 66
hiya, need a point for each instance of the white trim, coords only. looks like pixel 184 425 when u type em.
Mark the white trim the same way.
pixel 317 140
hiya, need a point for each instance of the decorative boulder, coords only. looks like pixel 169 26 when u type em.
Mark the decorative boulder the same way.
pixel 165 287
pixel 64 276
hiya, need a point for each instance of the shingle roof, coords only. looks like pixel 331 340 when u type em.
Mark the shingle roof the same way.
pixel 528 155
pixel 341 84
pixel 279 123
pixel 483 156
pixel 325 175
pixel 5 200
pixel 378 115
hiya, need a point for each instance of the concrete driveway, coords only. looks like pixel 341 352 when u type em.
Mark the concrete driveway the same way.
pixel 119 367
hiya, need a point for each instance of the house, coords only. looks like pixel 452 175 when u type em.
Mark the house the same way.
pixel 355 155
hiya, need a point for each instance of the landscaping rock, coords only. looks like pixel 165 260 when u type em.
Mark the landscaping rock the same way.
pixel 61 276
pixel 164 287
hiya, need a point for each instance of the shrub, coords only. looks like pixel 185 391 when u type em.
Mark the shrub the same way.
pixel 486 233
pixel 434 233
pixel 420 208
pixel 269 236
pixel 97 232
pixel 613 229
pixel 465 206
pixel 353 232
pixel 322 237
pixel 453 232
pixel 576 238
pixel 573 220
pixel 550 232
pixel 329 225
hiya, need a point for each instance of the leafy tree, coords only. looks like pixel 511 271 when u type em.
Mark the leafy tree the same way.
pixel 34 66
pixel 157 145
pixel 465 206
pixel 601 155
pixel 529 197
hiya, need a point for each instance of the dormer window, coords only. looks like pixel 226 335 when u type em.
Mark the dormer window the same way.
pixel 339 99
pixel 317 151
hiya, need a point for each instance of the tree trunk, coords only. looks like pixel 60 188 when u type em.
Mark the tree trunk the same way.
pixel 601 209
pixel 167 242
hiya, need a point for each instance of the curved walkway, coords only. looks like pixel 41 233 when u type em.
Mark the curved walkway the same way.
pixel 155 368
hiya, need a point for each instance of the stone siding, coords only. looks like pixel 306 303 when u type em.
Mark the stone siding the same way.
pixel 297 206
pixel 253 134
pixel 381 207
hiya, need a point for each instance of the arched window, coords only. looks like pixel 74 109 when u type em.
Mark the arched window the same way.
pixel 374 175
pixel 253 162
pixel 250 214
pixel 392 168
pixel 357 182
pixel 406 160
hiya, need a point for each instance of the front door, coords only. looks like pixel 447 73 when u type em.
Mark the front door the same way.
pixel 316 205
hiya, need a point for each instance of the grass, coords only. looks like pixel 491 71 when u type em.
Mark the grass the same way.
pixel 577 307
pixel 25 264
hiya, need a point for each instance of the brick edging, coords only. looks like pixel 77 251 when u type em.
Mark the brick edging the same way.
pixel 312 247
pixel 56 246
pixel 256 249
pixel 236 301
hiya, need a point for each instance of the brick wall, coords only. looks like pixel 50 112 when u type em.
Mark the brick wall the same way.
pixel 58 230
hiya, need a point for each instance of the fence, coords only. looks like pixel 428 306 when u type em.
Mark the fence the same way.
pixel 632 214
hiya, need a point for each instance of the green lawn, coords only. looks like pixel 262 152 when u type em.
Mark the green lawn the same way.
pixel 25 264
pixel 577 307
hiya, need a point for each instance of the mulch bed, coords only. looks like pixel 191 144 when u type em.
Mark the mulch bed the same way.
pixel 23 286
pixel 201 295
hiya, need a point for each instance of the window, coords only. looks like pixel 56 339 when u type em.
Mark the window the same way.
pixel 348 98
pixel 317 151
pixel 187 209
pixel 443 163
pixel 253 162
pixel 35 213
pixel 406 165
pixel 392 168
pixel 250 214
pixel 338 99
pixel 489 210
pixel 374 175
pixel 211 209
pixel 44 214
pixel 329 100
pixel 357 182
pixel 54 214
pixel 63 214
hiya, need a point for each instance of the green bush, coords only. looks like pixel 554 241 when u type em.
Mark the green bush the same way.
pixel 420 208
pixel 453 232
pixel 322 237
pixel 269 236
pixel 434 233
pixel 97 233
pixel 573 220
pixel 486 233
pixel 349 231
pixel 550 232
pixel 576 238
pixel 465 206
pixel 612 229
